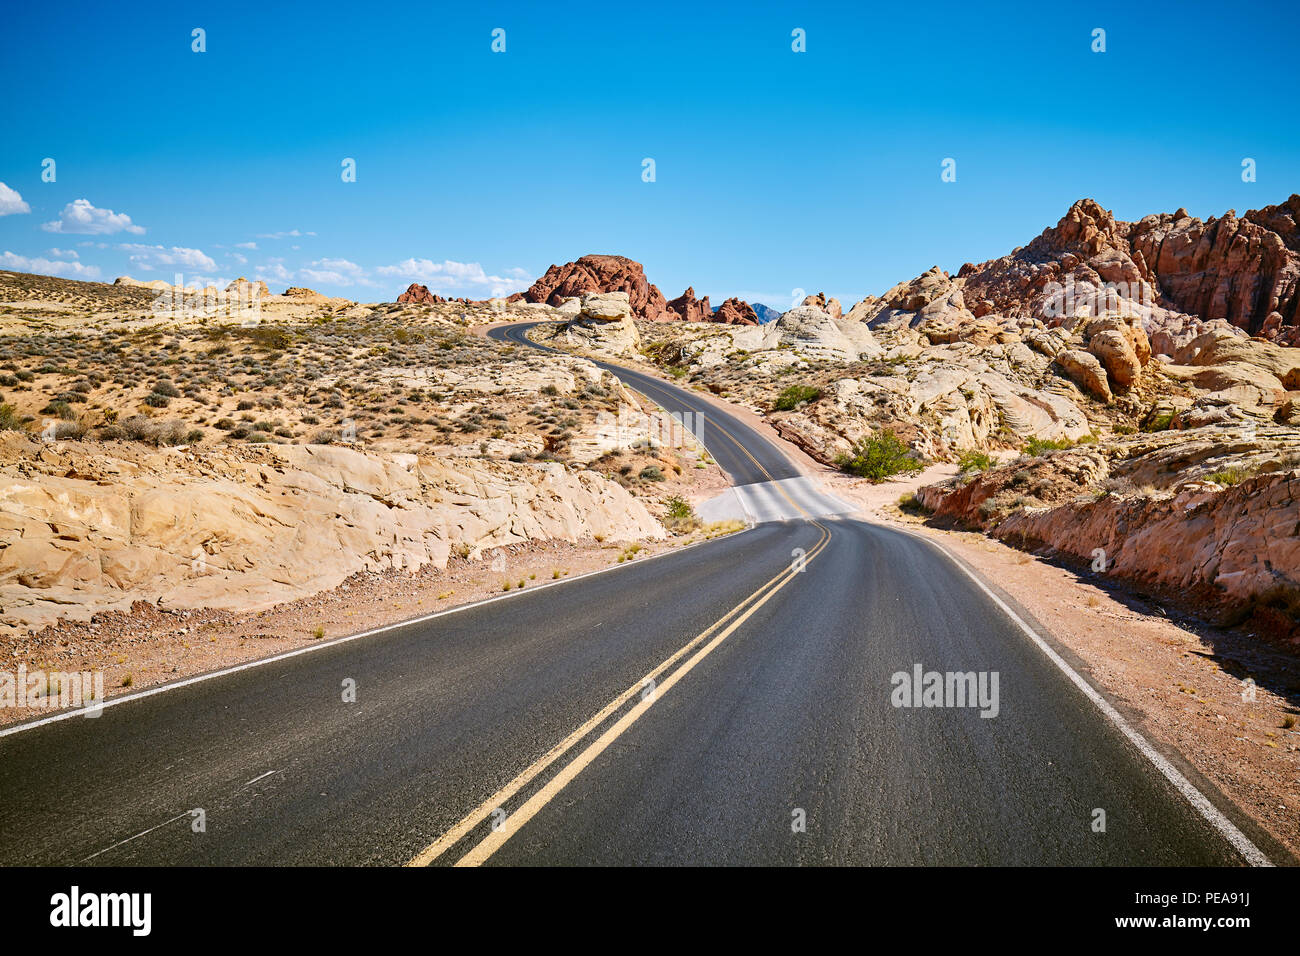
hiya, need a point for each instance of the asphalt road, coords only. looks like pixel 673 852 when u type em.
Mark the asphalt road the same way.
pixel 731 703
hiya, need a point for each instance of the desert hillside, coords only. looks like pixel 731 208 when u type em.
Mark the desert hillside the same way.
pixel 199 459
pixel 1124 388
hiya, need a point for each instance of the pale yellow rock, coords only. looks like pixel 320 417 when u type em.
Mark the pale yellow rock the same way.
pixel 253 527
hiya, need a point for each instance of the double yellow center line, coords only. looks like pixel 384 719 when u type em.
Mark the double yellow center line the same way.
pixel 698 648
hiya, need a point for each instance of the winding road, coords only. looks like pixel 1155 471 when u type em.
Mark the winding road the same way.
pixel 733 702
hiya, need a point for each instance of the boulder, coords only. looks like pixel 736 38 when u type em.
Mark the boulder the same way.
pixel 1115 353
pixel 1086 371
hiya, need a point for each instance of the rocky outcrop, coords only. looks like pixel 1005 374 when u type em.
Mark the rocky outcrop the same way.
pixel 419 295
pixel 86 527
pixel 1241 270
pixel 247 289
pixel 830 306
pixel 601 273
pixel 1153 510
pixel 735 312
pixel 604 324
pixel 691 309
pixel 1171 270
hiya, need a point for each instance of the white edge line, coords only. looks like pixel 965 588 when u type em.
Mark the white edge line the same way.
pixel 99 707
pixel 1212 814
pixel 137 836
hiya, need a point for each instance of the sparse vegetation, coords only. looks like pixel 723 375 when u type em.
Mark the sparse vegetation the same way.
pixel 974 461
pixel 795 395
pixel 879 456
pixel 1040 446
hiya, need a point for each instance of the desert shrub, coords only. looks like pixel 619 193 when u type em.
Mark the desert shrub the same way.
pixel 974 461
pixel 164 387
pixel 9 420
pixel 879 456
pixel 156 400
pixel 651 473
pixel 1231 476
pixel 1158 423
pixel 70 430
pixel 142 429
pixel 60 409
pixel 1038 446
pixel 680 515
pixel 794 396
pixel 267 337
pixel 910 504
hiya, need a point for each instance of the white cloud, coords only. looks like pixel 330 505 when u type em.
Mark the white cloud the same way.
pixel 63 253
pixel 10 202
pixel 458 277
pixel 51 267
pixel 335 272
pixel 245 245
pixel 81 218
pixel 273 271
pixel 290 234
pixel 152 257
pixel 240 258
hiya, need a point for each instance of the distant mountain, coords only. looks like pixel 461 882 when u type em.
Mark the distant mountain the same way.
pixel 765 313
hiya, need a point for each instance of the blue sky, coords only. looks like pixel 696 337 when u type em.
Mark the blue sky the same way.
pixel 774 170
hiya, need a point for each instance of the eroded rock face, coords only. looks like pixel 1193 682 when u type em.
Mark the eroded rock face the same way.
pixel 1086 371
pixel 247 289
pixel 1112 349
pixel 1240 270
pixel 91 528
pixel 600 274
pixel 418 294
pixel 604 324
pixel 691 309
pixel 735 312
pixel 830 306
pixel 1171 270
pixel 1163 521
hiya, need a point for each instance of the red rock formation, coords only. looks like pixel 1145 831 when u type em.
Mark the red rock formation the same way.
pixel 598 273
pixel 1245 270
pixel 736 312
pixel 691 309
pixel 1225 268
pixel 419 294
